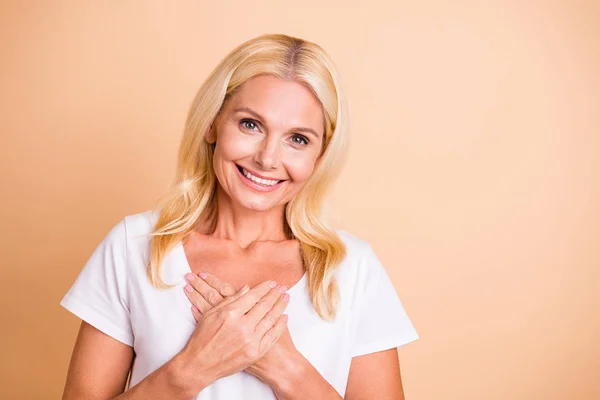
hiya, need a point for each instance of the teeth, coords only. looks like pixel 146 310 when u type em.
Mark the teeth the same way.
pixel 265 182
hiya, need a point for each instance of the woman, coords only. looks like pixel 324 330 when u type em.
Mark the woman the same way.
pixel 236 287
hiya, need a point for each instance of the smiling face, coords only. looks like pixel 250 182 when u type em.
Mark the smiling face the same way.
pixel 269 136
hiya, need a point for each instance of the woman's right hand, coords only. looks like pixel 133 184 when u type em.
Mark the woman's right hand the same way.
pixel 235 334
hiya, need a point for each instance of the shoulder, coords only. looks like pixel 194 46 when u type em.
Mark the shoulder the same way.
pixel 139 224
pixel 360 262
pixel 355 246
pixel 130 234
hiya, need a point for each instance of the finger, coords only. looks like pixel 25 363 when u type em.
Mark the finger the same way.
pixel 262 308
pixel 222 287
pixel 196 314
pixel 210 294
pixel 273 315
pixel 196 299
pixel 232 299
pixel 244 303
pixel 273 335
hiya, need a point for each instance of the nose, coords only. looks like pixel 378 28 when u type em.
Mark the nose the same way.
pixel 268 154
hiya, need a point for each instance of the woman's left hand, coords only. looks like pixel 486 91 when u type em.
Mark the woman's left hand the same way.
pixel 205 291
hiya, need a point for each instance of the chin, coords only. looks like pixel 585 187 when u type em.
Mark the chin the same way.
pixel 259 208
pixel 256 205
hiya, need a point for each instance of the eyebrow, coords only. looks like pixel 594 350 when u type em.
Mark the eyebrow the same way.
pixel 261 119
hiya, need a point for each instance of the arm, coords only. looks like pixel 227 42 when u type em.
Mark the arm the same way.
pixel 375 376
pixel 100 365
pixel 231 337
pixel 283 368
pixel 291 375
pixel 297 378
pixel 372 376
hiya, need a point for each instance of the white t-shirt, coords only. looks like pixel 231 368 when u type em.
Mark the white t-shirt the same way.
pixel 113 294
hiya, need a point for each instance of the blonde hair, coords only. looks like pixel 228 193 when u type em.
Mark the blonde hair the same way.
pixel 193 194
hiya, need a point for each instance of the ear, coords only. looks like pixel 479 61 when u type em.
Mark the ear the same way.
pixel 210 135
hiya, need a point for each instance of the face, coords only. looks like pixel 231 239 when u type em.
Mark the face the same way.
pixel 269 137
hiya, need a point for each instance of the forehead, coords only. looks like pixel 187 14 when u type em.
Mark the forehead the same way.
pixel 280 102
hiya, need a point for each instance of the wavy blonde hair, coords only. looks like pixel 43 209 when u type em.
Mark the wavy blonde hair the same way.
pixel 193 194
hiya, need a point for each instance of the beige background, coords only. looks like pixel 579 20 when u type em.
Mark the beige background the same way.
pixel 474 169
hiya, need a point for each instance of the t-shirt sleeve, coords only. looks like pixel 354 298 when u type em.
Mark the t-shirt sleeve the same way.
pixel 99 294
pixel 382 322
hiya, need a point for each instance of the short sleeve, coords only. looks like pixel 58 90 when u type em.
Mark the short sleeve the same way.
pixel 99 294
pixel 381 321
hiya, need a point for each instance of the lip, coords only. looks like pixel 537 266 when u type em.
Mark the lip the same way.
pixel 256 186
pixel 259 175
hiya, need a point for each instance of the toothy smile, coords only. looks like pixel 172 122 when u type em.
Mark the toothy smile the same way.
pixel 256 179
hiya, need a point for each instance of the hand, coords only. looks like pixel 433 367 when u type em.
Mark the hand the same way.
pixel 207 292
pixel 235 333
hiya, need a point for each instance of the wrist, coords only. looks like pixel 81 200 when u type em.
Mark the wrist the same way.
pixel 286 378
pixel 182 375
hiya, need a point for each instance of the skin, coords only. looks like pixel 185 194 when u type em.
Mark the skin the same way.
pixel 274 128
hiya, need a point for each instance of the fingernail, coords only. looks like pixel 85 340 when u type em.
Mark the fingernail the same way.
pixel 202 275
pixel 195 310
pixel 282 288
pixel 188 288
pixel 244 289
pixel 285 317
pixel 286 297
pixel 272 284
pixel 189 277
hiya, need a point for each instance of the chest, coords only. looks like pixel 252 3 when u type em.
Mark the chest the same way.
pixel 281 263
pixel 162 321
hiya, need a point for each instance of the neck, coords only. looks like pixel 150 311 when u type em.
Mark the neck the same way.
pixel 243 226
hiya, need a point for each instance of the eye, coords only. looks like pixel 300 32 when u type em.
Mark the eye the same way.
pixel 300 139
pixel 248 123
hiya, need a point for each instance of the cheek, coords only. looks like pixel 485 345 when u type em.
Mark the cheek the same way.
pixel 234 145
pixel 300 168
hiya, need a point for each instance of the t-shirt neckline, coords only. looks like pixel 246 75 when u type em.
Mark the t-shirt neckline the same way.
pixel 188 269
